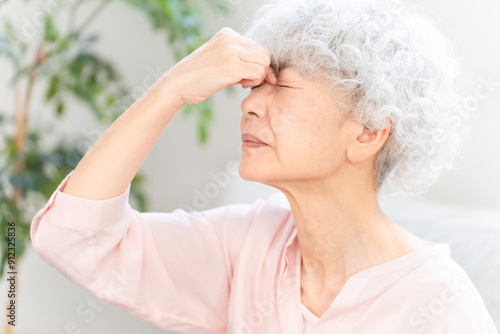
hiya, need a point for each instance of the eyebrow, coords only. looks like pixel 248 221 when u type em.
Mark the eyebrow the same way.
pixel 288 79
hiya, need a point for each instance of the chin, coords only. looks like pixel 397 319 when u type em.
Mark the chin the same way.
pixel 248 172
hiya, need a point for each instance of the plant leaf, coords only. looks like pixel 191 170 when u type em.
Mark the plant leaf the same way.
pixel 51 34
pixel 60 108
pixel 53 87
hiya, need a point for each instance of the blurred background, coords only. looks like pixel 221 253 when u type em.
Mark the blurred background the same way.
pixel 131 42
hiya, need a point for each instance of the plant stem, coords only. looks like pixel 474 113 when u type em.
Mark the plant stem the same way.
pixel 72 14
pixel 93 15
pixel 21 119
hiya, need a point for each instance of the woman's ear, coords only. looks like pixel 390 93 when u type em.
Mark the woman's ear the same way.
pixel 367 143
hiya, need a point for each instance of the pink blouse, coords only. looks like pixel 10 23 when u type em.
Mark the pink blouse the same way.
pixel 236 269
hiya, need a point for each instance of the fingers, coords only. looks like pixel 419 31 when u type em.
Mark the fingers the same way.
pixel 247 49
pixel 252 45
pixel 255 58
pixel 242 40
pixel 245 83
pixel 269 77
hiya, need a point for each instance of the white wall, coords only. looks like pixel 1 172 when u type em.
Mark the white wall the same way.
pixel 473 27
pixel 177 166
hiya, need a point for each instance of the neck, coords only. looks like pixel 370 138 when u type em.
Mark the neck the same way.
pixel 342 230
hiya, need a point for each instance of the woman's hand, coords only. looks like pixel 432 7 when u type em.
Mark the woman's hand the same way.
pixel 226 59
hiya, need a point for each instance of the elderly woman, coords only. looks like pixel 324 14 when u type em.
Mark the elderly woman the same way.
pixel 345 96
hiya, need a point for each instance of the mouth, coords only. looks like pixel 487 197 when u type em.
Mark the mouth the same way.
pixel 251 141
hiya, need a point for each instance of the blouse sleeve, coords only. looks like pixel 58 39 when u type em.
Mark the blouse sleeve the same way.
pixel 172 269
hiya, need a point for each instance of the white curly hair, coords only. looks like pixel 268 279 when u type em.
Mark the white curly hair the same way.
pixel 392 62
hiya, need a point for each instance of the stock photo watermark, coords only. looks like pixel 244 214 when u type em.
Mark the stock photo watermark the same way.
pixel 32 26
pixel 220 181
pixel 88 310
pixel 11 273
pixel 91 136
pixel 485 88
pixel 265 308
pixel 421 319
pixel 153 75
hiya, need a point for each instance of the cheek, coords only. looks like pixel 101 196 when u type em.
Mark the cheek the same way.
pixel 306 143
pixel 310 142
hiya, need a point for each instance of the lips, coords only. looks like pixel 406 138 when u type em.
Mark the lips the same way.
pixel 250 140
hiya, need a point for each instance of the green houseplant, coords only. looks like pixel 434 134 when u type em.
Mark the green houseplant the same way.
pixel 62 57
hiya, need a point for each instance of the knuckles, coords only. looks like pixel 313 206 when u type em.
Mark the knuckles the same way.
pixel 226 33
pixel 226 30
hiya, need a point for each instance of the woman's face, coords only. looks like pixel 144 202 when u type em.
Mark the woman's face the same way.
pixel 305 131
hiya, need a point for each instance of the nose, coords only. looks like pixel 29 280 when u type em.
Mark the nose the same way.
pixel 255 104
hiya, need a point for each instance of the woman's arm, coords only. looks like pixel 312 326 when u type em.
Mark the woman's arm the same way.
pixel 112 162
pixel 172 269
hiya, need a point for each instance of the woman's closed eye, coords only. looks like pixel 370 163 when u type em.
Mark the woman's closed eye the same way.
pixel 255 87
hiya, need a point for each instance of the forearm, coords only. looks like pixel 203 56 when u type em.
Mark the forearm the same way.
pixel 112 162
